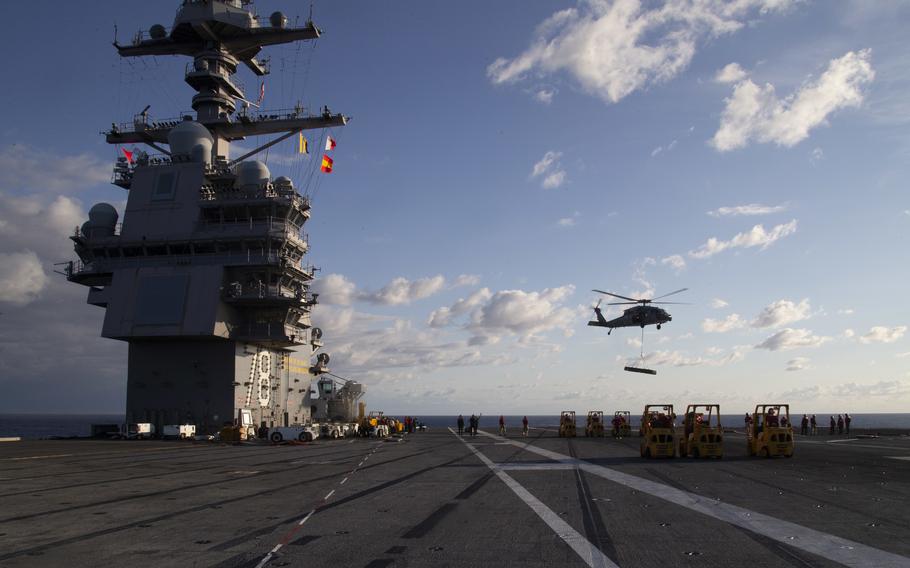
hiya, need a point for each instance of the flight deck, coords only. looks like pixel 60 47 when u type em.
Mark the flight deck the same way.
pixel 439 499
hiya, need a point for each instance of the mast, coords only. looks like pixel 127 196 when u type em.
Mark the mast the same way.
pixel 219 35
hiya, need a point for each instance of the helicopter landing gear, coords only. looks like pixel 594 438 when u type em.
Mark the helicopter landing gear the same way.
pixel 658 326
pixel 611 331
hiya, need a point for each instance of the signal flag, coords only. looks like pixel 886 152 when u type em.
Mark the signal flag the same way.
pixel 327 164
pixel 303 145
pixel 128 154
pixel 329 144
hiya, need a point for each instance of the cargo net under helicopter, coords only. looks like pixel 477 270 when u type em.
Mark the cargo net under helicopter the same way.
pixel 643 313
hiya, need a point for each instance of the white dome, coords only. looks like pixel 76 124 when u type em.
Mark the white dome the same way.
pixel 191 140
pixel 252 173
pixel 103 215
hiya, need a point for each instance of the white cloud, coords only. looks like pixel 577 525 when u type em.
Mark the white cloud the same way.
pixel 656 151
pixel 525 314
pixel 852 390
pixel 22 278
pixel 756 237
pixel 403 291
pixel 731 322
pixel 782 312
pixel 554 180
pixel 545 95
pixel 338 290
pixel 798 364
pixel 881 334
pixel 681 359
pixel 550 170
pixel 602 44
pixel 466 280
pixel 789 338
pixel 816 155
pixel 718 304
pixel 443 316
pixel 675 261
pixel 566 222
pixel 845 312
pixel 849 333
pixel 756 113
pixel 24 167
pixel 731 73
pixel 747 210
pixel 335 289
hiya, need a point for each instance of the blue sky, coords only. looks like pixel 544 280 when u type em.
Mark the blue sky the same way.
pixel 457 280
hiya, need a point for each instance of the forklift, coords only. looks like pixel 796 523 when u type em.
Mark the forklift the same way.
pixel 622 424
pixel 595 425
pixel 658 431
pixel 567 424
pixel 703 436
pixel 770 433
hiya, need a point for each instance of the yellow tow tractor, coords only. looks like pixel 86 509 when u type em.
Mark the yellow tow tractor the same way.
pixel 567 424
pixel 622 424
pixel 703 436
pixel 658 433
pixel 595 425
pixel 770 433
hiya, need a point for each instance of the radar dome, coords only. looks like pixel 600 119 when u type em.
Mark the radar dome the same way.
pixel 191 141
pixel 157 31
pixel 102 221
pixel 103 215
pixel 252 173
pixel 284 181
pixel 278 20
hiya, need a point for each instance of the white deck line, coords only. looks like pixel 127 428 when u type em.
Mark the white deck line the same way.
pixel 837 549
pixel 590 554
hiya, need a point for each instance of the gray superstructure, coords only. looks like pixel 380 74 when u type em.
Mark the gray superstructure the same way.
pixel 205 277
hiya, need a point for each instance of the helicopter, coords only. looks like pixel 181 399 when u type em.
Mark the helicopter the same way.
pixel 641 315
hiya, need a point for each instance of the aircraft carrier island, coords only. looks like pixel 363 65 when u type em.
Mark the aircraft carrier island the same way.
pixel 205 277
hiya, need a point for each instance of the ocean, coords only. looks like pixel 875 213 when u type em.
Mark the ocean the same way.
pixel 37 426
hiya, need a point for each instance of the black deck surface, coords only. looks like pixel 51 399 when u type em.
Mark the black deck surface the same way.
pixel 430 500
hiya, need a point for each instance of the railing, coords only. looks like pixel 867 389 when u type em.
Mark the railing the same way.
pixel 77 232
pixel 273 225
pixel 263 291
pixel 267 191
pixel 100 265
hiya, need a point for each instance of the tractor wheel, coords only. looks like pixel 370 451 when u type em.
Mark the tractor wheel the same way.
pixel 276 437
pixel 303 437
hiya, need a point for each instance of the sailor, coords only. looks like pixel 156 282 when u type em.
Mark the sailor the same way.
pixel 524 426
pixel 460 424
pixel 831 426
pixel 617 422
pixel 840 424
pixel 771 419
pixel 473 425
pixel 813 426
pixel 847 421
pixel 502 425
pixel 804 425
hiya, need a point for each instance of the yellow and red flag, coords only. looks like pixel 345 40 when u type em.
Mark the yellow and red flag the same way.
pixel 327 164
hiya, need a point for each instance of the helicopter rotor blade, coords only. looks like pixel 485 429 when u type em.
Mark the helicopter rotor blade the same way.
pixel 616 295
pixel 598 303
pixel 677 303
pixel 670 294
pixel 622 303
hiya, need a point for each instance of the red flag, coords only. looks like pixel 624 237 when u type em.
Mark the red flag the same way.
pixel 261 93
pixel 128 154
pixel 327 164
pixel 329 143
